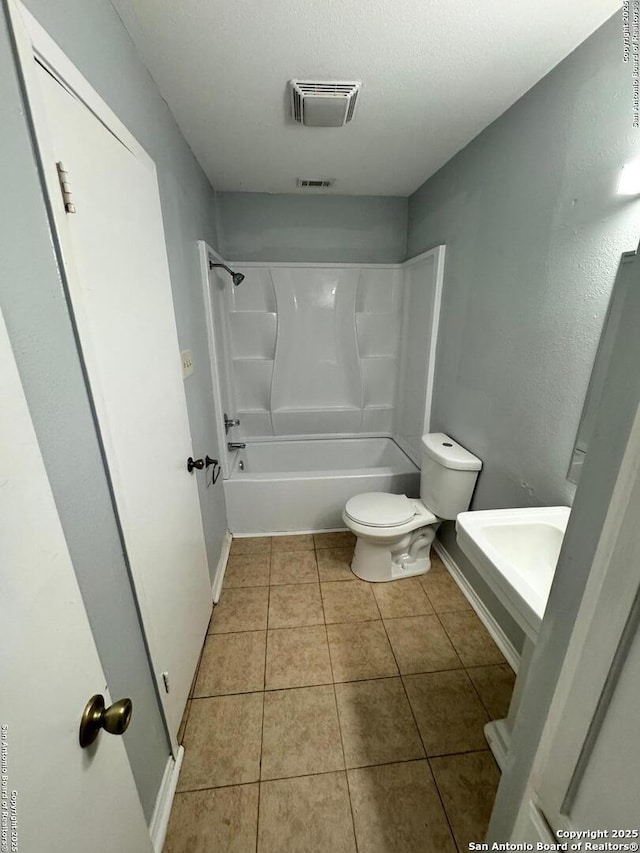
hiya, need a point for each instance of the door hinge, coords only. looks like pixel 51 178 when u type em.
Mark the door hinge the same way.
pixel 63 177
pixel 165 678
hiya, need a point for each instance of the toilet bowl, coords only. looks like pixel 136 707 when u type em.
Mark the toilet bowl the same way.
pixel 395 532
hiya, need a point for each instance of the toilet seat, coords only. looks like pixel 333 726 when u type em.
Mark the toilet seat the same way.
pixel 380 509
pixel 421 516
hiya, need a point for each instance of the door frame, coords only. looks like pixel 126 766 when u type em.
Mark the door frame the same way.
pixel 33 42
pixel 205 255
pixel 605 626
pixel 607 608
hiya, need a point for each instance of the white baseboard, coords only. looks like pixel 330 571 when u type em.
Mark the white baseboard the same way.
pixel 216 587
pixel 164 801
pixel 486 617
pixel 289 532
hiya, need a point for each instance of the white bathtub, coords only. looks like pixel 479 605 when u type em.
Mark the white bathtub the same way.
pixel 303 485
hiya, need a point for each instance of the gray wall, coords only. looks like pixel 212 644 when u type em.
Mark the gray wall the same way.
pixel 534 233
pixel 33 303
pixel 312 228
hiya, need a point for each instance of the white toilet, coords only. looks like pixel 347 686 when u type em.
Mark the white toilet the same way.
pixel 395 532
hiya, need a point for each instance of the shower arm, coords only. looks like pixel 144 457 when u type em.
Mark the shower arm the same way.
pixel 237 277
pixel 224 267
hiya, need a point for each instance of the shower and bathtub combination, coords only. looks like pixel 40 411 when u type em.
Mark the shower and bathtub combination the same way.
pixel 329 370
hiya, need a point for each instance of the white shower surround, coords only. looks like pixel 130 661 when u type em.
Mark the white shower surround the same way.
pixel 313 348
pixel 363 336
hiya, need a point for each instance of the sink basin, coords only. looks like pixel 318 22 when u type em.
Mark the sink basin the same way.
pixel 516 552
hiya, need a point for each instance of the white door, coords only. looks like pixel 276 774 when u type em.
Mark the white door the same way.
pixel 116 264
pixel 67 799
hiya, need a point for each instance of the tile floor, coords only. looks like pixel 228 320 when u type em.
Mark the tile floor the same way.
pixel 329 714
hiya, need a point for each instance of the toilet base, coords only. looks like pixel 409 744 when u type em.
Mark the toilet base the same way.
pixel 380 563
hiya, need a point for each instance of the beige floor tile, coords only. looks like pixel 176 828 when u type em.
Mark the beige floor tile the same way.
pixel 401 598
pixel 376 723
pixel 251 545
pixel 421 644
pixel 300 542
pixel 297 657
pixel 334 564
pixel 183 722
pixel 247 570
pixel 341 539
pixel 450 716
pixel 232 663
pixel 443 592
pixel 360 650
pixel 220 819
pixel 300 733
pixel 308 815
pixel 294 567
pixel 471 639
pixel 495 686
pixel 468 786
pixel 295 605
pixel 222 742
pixel 240 610
pixel 348 602
pixel 396 809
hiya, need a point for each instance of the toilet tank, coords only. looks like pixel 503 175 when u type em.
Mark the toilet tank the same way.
pixel 448 476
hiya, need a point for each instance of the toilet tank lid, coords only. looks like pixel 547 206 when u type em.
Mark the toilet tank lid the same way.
pixel 449 453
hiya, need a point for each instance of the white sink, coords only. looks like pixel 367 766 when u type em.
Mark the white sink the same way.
pixel 516 552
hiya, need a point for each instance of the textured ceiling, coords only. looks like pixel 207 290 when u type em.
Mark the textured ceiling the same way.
pixel 434 74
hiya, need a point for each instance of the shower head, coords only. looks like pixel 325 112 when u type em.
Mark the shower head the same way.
pixel 237 277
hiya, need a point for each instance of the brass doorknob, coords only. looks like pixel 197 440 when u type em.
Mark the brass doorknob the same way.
pixel 115 719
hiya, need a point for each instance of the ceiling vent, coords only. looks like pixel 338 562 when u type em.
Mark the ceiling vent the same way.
pixel 315 183
pixel 326 104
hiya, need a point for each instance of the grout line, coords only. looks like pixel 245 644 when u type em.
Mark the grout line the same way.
pixel 345 770
pixel 404 688
pixel 335 702
pixel 415 722
pixel 479 695
pixel 444 808
pixel 215 788
pixel 264 685
pixel 193 685
pixel 440 795
pixel 185 719
pixel 327 683
pixel 344 759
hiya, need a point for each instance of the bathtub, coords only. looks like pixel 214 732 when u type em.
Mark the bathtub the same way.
pixel 302 485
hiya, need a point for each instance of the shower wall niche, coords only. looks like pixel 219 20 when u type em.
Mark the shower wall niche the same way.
pixel 326 349
pixel 314 350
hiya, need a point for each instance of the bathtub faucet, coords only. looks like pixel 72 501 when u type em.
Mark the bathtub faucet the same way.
pixel 236 445
pixel 230 422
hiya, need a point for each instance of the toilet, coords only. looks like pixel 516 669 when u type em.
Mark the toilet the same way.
pixel 395 532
